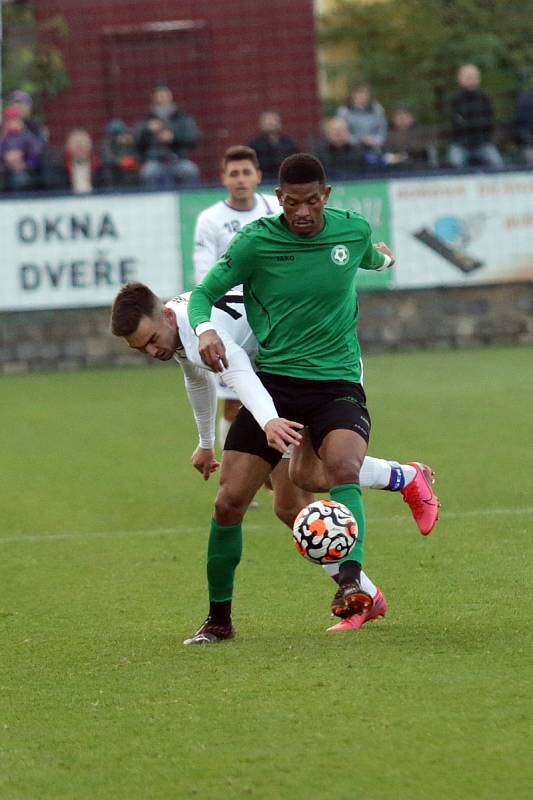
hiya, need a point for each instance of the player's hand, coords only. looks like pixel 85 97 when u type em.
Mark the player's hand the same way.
pixel 212 351
pixel 281 433
pixel 381 247
pixel 203 459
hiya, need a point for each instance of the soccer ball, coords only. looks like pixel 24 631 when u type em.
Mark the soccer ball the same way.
pixel 324 531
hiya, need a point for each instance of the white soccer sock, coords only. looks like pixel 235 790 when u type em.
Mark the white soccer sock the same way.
pixel 375 473
pixel 409 472
pixel 223 427
pixel 367 585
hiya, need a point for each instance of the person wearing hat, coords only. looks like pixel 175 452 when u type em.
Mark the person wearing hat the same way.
pixel 24 102
pixel 119 155
pixel 20 153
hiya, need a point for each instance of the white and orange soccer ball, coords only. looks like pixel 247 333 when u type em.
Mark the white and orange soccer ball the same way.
pixel 324 531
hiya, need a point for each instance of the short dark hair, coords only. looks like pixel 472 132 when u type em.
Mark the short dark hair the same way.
pixel 134 301
pixel 301 168
pixel 240 152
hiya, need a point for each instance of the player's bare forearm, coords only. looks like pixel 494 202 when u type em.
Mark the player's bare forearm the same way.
pixel 203 459
pixel 281 433
pixel 381 247
pixel 212 350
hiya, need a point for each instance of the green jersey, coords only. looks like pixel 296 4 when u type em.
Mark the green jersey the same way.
pixel 299 293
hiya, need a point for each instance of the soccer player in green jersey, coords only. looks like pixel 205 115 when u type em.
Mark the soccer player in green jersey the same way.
pixel 298 272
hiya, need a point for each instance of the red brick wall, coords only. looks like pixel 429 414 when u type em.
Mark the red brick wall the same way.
pixel 240 57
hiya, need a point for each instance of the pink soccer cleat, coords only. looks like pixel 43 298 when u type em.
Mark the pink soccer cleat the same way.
pixel 356 621
pixel 421 499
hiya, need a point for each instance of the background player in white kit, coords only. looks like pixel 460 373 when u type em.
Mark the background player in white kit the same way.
pixel 215 228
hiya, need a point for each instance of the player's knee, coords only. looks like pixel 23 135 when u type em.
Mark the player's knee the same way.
pixel 343 470
pixel 308 481
pixel 230 507
pixel 311 484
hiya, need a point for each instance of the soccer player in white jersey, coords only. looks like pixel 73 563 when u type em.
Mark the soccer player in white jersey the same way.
pixel 215 228
pixel 163 332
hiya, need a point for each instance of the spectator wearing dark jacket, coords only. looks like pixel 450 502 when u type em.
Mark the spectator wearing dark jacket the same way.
pixel 271 144
pixel 20 153
pixel 408 144
pixel 523 121
pixel 163 141
pixel 472 123
pixel 341 159
pixel 119 155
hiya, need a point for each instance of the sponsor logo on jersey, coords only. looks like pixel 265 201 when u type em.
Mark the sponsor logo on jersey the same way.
pixel 284 258
pixel 340 254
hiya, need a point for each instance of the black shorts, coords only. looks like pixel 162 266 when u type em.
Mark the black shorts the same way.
pixel 322 406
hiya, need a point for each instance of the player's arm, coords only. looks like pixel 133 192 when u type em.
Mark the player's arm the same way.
pixel 240 377
pixel 377 256
pixel 230 270
pixel 205 249
pixel 200 386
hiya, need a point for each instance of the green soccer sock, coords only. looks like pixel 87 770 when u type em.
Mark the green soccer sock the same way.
pixel 224 552
pixel 350 495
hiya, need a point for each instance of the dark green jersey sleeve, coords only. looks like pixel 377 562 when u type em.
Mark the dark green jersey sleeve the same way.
pixel 372 258
pixel 229 271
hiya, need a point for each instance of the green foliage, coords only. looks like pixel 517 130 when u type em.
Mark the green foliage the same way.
pixel 102 568
pixel 32 57
pixel 409 50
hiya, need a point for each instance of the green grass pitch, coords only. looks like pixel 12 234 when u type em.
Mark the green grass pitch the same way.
pixel 103 532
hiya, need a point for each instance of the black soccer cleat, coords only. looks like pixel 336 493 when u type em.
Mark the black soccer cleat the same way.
pixel 350 599
pixel 210 632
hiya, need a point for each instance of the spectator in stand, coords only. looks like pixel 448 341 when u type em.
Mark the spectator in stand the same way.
pixel 119 155
pixel 341 159
pixel 523 121
pixel 367 123
pixel 472 123
pixel 76 168
pixel 271 144
pixel 24 102
pixel 20 154
pixel 163 141
pixel 408 145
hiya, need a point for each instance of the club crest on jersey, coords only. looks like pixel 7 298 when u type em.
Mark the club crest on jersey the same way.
pixel 340 254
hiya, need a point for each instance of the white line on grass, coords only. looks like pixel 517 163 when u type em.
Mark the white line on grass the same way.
pixel 52 537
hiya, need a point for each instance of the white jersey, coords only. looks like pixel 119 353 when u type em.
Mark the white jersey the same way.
pixel 217 225
pixel 231 324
